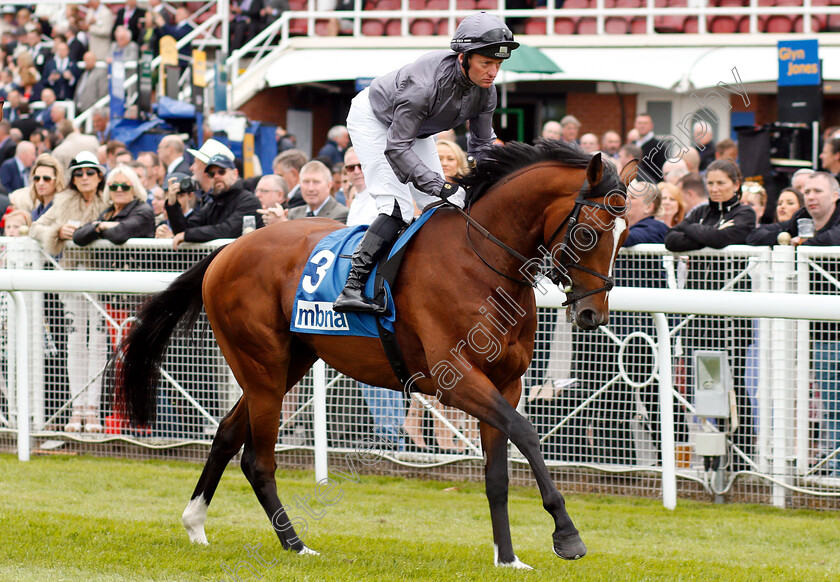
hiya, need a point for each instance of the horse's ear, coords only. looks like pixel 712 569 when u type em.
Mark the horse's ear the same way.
pixel 629 171
pixel 595 170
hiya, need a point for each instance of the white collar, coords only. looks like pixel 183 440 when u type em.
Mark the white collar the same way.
pixel 644 139
pixel 174 164
pixel 317 211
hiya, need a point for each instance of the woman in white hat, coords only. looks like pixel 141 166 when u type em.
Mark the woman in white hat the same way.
pixel 82 202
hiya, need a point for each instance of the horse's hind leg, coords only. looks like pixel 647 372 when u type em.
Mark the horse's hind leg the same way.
pixel 265 376
pixel 494 444
pixel 228 440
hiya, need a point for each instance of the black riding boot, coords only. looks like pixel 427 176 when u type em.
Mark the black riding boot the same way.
pixel 377 240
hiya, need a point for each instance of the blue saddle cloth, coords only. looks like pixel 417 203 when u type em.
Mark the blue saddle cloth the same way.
pixel 324 277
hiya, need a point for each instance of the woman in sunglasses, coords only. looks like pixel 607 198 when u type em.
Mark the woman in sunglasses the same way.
pixel 82 202
pixel 392 124
pixel 45 181
pixel 128 216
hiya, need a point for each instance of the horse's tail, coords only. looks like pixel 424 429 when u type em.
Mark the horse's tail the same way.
pixel 136 367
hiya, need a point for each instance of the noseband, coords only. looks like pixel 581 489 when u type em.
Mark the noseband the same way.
pixel 555 274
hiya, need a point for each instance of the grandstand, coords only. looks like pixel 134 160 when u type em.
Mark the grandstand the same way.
pixel 617 57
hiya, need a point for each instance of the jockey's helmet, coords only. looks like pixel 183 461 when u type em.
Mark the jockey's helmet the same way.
pixel 484 34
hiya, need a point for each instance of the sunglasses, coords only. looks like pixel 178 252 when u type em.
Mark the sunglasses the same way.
pixel 217 172
pixel 44 178
pixel 118 186
pixel 353 167
pixel 88 172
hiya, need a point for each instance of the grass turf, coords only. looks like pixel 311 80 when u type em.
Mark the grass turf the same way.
pixel 87 519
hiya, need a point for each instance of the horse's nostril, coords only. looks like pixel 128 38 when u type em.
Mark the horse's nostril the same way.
pixel 588 319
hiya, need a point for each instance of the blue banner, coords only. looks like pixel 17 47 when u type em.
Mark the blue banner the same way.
pixel 799 62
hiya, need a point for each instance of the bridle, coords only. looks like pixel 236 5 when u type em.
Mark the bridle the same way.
pixel 556 273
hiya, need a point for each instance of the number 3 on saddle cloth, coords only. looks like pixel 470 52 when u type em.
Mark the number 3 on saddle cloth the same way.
pixel 326 273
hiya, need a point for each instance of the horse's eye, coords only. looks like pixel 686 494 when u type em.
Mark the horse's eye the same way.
pixel 584 237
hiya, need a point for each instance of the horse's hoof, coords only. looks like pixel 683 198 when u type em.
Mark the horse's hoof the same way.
pixel 570 548
pixel 307 551
pixel 516 564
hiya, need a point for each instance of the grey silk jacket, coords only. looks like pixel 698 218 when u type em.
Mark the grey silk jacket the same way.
pixel 430 95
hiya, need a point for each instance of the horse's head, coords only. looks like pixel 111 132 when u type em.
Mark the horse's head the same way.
pixel 592 232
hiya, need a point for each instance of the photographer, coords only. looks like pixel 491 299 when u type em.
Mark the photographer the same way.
pixel 221 216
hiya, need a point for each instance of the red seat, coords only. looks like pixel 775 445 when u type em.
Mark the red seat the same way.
pixel 373 27
pixel 416 4
pixel 486 4
pixel 616 25
pixel 638 25
pixel 564 26
pixel 629 3
pixel 731 3
pixel 578 4
pixel 393 28
pixel 587 26
pixel 422 27
pixel 669 23
pixel 465 4
pixel 778 24
pixel 723 24
pixel 536 26
pixel 387 5
pixel 691 26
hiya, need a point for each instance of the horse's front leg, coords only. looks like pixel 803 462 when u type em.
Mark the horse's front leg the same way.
pixel 476 395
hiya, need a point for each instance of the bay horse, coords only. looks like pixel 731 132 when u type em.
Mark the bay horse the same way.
pixel 544 199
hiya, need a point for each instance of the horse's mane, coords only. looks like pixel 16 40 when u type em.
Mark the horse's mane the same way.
pixel 501 160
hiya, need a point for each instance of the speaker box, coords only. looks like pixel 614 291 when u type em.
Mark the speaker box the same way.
pixel 800 103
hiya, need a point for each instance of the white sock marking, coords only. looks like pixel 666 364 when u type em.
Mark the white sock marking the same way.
pixel 193 519
pixel 516 564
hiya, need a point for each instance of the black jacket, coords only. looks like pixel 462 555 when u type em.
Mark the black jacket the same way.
pixel 701 228
pixel 137 220
pixel 829 235
pixel 220 217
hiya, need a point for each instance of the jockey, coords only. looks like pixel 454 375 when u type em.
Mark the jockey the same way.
pixel 392 124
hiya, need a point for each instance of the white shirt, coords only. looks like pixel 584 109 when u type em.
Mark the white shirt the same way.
pixel 362 210
pixel 317 211
pixel 174 164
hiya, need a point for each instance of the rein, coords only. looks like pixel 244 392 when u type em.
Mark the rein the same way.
pixel 554 275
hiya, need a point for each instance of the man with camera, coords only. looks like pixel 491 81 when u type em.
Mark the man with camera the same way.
pixel 222 215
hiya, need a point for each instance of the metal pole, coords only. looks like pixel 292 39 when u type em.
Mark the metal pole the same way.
pixel 319 394
pixel 22 341
pixel 666 408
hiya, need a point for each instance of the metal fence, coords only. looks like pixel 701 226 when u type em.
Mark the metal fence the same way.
pixel 594 397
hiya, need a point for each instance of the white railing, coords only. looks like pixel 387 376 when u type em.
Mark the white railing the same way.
pixel 780 296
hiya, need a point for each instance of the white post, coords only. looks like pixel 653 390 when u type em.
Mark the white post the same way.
pixel 319 396
pixel 666 412
pixel 782 269
pixel 764 413
pixel 22 341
